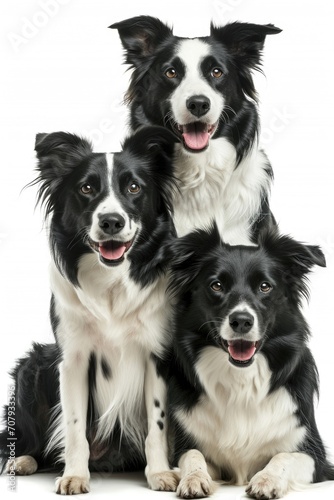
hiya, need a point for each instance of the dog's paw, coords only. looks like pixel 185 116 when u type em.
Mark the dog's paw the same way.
pixel 266 486
pixel 72 485
pixel 22 466
pixel 164 481
pixel 196 485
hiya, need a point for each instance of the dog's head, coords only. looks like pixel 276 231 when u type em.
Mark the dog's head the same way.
pixel 193 86
pixel 105 203
pixel 232 297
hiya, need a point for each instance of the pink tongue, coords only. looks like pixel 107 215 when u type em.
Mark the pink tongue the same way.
pixel 112 252
pixel 196 139
pixel 241 350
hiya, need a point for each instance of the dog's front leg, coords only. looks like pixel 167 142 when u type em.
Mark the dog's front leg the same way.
pixel 73 372
pixel 284 472
pixel 158 473
pixel 196 479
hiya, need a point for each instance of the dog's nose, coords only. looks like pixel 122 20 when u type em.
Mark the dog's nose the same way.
pixel 111 223
pixel 241 321
pixel 198 105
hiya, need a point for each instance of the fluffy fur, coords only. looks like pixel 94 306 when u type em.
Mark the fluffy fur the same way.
pixel 109 221
pixel 243 379
pixel 202 90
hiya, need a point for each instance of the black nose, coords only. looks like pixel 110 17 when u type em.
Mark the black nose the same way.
pixel 241 321
pixel 111 223
pixel 198 105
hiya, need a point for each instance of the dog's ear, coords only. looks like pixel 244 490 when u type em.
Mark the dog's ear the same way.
pixel 58 154
pixel 245 42
pixel 140 36
pixel 296 260
pixel 60 151
pixel 188 255
pixel 297 255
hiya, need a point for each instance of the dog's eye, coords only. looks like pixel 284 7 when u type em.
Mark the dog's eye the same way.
pixel 171 73
pixel 217 286
pixel 217 72
pixel 86 189
pixel 265 287
pixel 134 188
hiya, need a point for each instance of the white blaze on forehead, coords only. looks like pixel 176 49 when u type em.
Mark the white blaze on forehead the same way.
pixel 110 167
pixel 192 53
pixel 110 204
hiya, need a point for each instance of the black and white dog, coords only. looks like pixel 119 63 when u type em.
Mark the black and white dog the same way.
pixel 242 387
pixel 110 220
pixel 202 90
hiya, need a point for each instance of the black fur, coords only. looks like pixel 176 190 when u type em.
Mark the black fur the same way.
pixel 66 162
pixel 150 47
pixel 201 259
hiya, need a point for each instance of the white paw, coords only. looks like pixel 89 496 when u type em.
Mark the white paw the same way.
pixel 196 485
pixel 72 485
pixel 266 486
pixel 22 466
pixel 164 481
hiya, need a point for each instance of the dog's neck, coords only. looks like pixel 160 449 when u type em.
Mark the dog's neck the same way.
pixel 213 186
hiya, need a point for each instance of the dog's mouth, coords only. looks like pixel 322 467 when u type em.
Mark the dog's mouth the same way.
pixel 196 136
pixel 241 351
pixel 111 252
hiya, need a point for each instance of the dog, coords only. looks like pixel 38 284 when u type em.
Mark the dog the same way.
pixel 242 378
pixel 110 220
pixel 202 90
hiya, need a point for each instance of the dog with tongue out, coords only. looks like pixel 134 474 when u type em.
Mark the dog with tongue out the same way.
pixel 202 90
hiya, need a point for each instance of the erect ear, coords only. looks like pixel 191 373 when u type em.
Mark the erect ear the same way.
pixel 58 154
pixel 244 40
pixel 188 256
pixel 140 36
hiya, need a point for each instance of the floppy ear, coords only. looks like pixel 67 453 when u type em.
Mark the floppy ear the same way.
pixel 300 257
pixel 296 259
pixel 60 151
pixel 188 255
pixel 140 36
pixel 58 154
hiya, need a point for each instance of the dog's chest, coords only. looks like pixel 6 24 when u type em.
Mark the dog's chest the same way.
pixel 237 425
pixel 110 308
pixel 211 187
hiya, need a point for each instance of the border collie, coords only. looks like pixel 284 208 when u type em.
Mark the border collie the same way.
pixel 243 379
pixel 110 220
pixel 202 90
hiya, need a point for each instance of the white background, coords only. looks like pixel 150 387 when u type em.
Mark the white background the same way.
pixel 61 70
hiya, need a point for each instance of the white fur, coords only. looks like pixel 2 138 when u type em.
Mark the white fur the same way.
pixel 210 184
pixel 191 53
pixel 111 204
pixel 210 187
pixel 118 321
pixel 238 425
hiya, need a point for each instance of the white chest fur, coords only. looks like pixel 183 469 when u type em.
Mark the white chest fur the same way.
pixel 237 425
pixel 121 324
pixel 210 187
